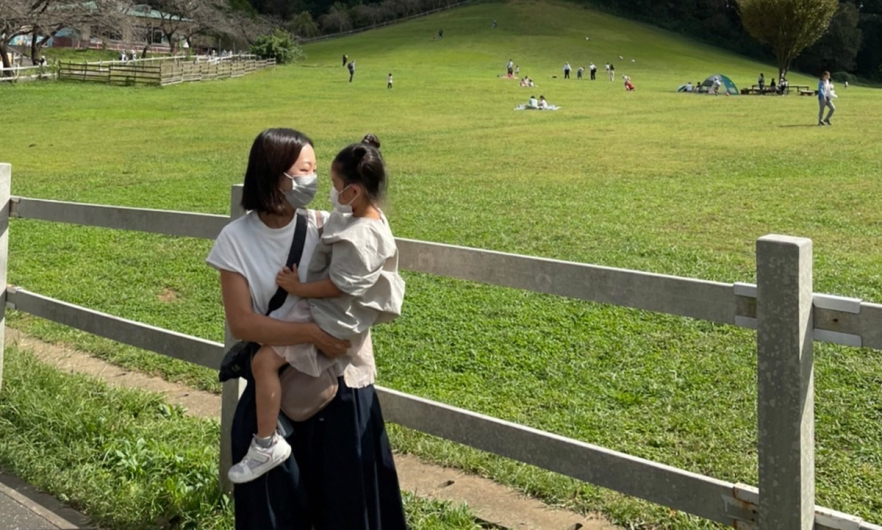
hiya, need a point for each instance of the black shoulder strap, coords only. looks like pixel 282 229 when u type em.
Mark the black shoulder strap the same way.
pixel 293 259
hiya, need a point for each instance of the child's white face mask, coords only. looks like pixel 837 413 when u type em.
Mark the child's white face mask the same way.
pixel 335 201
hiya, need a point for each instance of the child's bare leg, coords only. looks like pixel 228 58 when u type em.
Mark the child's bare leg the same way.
pixel 268 390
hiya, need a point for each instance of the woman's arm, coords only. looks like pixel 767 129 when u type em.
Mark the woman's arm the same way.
pixel 247 325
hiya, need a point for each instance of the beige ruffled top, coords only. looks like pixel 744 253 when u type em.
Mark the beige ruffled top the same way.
pixel 360 256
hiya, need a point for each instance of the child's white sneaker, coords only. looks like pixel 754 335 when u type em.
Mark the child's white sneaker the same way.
pixel 258 460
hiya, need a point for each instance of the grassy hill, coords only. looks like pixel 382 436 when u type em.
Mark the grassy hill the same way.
pixel 651 180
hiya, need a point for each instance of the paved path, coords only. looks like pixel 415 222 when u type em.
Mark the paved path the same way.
pixel 24 508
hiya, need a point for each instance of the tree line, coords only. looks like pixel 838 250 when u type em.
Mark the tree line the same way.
pixel 811 35
pixel 180 21
pixel 838 36
pixel 848 41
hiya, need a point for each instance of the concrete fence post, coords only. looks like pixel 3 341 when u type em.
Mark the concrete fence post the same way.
pixel 5 187
pixel 233 388
pixel 785 393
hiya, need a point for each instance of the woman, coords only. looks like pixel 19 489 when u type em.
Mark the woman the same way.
pixel 825 99
pixel 340 474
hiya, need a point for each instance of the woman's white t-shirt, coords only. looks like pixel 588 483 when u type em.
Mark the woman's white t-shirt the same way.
pixel 258 252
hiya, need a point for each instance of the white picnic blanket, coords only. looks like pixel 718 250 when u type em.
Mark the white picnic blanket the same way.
pixel 523 106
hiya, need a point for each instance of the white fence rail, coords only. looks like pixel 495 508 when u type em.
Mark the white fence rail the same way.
pixel 26 73
pixel 782 307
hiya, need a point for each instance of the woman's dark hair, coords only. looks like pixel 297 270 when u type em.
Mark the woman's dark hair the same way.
pixel 273 152
pixel 362 164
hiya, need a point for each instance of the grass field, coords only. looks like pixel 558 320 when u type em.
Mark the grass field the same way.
pixel 651 180
pixel 128 459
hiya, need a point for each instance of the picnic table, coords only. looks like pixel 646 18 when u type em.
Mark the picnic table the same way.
pixel 805 90
pixel 802 90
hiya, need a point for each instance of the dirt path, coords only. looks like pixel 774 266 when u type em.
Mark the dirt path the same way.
pixel 491 502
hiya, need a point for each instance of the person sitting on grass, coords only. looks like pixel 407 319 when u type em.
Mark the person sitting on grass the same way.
pixel 542 103
pixel 532 104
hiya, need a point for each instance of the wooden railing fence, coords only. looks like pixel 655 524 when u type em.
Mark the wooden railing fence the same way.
pixel 787 315
pixel 159 74
pixel 26 73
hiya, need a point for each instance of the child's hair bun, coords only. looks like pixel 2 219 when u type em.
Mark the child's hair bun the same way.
pixel 372 140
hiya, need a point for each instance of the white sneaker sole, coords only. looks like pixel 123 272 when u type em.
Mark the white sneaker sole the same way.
pixel 263 470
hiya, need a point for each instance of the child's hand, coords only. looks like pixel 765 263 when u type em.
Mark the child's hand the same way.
pixel 288 280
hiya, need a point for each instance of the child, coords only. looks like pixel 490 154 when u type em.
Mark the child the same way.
pixel 353 284
pixel 825 99
pixel 389 81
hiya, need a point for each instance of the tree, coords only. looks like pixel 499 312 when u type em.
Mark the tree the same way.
pixel 208 17
pixel 837 49
pixel 43 19
pixel 247 27
pixel 278 45
pixel 13 22
pixel 787 26
pixel 869 59
pixel 303 25
pixel 337 19
pixel 364 15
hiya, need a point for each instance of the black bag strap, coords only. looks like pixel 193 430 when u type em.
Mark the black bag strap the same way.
pixel 293 259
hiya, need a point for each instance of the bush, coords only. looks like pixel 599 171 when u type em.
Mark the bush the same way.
pixel 842 77
pixel 278 45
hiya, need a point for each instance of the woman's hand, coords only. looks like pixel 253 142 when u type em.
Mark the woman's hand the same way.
pixel 288 280
pixel 328 344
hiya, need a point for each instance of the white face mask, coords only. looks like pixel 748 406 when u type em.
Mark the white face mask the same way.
pixel 302 191
pixel 335 201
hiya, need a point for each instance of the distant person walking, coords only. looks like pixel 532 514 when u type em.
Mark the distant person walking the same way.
pixel 389 81
pixel 440 34
pixel 345 59
pixel 579 72
pixel 351 70
pixel 761 82
pixel 825 99
pixel 612 72
pixel 593 70
pixel 566 70
pixel 510 67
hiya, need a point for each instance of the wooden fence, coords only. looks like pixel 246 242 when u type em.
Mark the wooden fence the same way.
pixel 782 307
pixel 166 73
pixel 26 73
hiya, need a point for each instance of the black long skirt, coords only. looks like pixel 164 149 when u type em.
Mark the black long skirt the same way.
pixel 340 476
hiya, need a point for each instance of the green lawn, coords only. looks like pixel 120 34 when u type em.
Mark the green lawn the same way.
pixel 126 458
pixel 651 180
